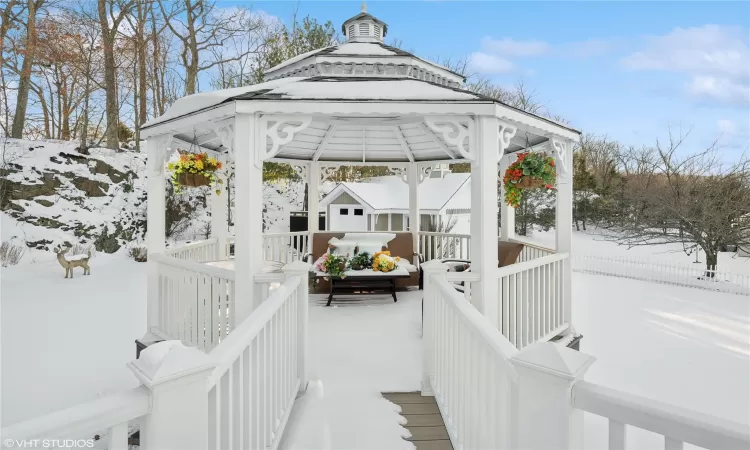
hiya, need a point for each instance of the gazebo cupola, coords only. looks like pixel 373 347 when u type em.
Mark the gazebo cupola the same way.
pixel 364 27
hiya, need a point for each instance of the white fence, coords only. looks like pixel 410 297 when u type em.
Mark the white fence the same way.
pixel 532 251
pixel 195 302
pixel 200 251
pixel 533 304
pixel 467 368
pixel 107 416
pixel 261 370
pixel 677 425
pixel 694 275
pixel 444 246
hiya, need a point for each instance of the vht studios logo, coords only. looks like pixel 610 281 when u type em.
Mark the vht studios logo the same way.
pixel 48 443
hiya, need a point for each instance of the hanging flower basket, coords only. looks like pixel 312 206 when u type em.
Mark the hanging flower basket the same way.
pixel 195 170
pixel 529 171
pixel 193 179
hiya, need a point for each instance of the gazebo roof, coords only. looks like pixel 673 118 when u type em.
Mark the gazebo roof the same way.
pixel 361 101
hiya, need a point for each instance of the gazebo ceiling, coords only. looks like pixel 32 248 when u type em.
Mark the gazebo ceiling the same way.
pixel 336 87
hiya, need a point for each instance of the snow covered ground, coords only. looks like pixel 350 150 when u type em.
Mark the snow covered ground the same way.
pixel 65 341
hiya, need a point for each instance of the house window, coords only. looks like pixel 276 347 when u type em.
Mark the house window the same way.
pixel 344 211
pixel 359 212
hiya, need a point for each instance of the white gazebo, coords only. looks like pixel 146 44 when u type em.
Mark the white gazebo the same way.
pixel 359 103
pixel 486 357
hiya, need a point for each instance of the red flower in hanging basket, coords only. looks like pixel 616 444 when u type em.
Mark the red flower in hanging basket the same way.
pixel 530 170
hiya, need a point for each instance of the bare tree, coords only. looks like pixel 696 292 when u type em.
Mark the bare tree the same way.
pixel 24 81
pixel 111 14
pixel 695 200
pixel 204 28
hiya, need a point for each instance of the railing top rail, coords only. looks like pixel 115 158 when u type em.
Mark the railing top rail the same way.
pixel 90 417
pixel 191 245
pixel 269 277
pixel 531 264
pixel 672 421
pixel 227 351
pixel 288 233
pixel 435 233
pixel 533 245
pixel 192 266
pixel 491 335
pixel 462 276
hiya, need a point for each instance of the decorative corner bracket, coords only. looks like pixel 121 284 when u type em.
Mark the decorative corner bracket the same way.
pixel 281 129
pixel 424 172
pixel 225 133
pixel 507 131
pixel 158 151
pixel 560 148
pixel 326 172
pixel 399 171
pixel 455 130
pixel 301 172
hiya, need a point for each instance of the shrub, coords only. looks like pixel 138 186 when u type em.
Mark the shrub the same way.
pixel 83 248
pixel 138 251
pixel 10 253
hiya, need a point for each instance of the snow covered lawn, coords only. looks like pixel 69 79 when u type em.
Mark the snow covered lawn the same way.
pixel 683 346
pixel 66 341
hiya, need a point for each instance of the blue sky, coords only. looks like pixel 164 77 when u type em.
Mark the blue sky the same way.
pixel 626 69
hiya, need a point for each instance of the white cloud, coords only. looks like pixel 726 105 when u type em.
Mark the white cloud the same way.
pixel 510 47
pixel 490 64
pixel 715 58
pixel 726 126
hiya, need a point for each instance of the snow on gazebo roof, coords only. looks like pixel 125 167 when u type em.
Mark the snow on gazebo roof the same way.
pixel 359 101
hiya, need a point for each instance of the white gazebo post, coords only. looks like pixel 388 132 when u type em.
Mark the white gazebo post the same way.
pixel 248 246
pixel 507 212
pixel 412 176
pixel 563 150
pixel 546 417
pixel 484 256
pixel 219 209
pixel 157 151
pixel 313 198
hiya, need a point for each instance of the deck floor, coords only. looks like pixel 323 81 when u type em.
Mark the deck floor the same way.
pixel 423 420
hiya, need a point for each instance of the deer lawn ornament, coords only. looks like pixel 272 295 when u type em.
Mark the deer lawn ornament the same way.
pixel 73 261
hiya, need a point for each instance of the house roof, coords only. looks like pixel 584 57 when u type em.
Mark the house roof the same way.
pixel 391 193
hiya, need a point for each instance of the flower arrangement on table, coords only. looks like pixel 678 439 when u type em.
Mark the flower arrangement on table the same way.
pixel 360 261
pixel 333 265
pixel 530 170
pixel 382 261
pixel 195 169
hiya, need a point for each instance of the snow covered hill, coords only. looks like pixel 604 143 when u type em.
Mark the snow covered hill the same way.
pixel 51 194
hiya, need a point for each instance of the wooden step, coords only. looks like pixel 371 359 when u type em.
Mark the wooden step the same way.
pixel 423 420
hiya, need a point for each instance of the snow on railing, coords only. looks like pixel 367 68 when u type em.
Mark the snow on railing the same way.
pixel 444 246
pixel 107 416
pixel 533 304
pixel 466 367
pixel 261 370
pixel 200 251
pixel 677 425
pixel 693 275
pixel 195 302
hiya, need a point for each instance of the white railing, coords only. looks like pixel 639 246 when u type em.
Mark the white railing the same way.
pixel 444 246
pixel 467 368
pixel 200 251
pixel 690 275
pixel 677 425
pixel 107 416
pixel 261 370
pixel 195 302
pixel 532 251
pixel 280 247
pixel 285 247
pixel 533 302
pixel 266 283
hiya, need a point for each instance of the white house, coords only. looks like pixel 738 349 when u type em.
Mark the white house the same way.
pixel 382 203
